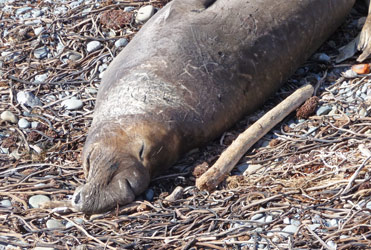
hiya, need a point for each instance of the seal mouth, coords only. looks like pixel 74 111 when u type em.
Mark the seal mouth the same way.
pixel 113 179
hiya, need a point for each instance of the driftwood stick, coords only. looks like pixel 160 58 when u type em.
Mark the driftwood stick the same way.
pixel 230 157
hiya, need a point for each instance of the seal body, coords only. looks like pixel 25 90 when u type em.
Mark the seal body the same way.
pixel 190 73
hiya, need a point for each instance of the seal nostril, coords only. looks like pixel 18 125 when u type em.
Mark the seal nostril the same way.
pixel 77 198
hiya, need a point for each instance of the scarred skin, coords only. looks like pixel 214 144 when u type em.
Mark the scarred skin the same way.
pixel 190 73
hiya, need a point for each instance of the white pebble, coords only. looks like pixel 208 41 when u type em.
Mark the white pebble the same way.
pixel 122 42
pixel 290 229
pixel 72 104
pixel 144 14
pixel 5 203
pixel 8 116
pixel 38 30
pixel 37 200
pixel 129 8
pixel 40 53
pixel 77 221
pixel 41 78
pixel 257 216
pixel 23 123
pixel 27 98
pixel 51 224
pixel 93 46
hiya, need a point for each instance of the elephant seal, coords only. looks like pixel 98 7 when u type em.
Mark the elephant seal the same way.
pixel 190 73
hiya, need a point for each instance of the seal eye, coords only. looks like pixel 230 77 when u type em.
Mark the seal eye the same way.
pixel 141 152
pixel 77 198
pixel 208 3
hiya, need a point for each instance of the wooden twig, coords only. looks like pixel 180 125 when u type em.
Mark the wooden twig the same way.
pixel 230 157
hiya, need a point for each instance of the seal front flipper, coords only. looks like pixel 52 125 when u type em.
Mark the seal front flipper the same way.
pixel 361 43
pixel 364 44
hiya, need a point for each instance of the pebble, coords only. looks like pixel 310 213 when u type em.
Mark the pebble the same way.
pixel 269 218
pixel 74 56
pixel 322 57
pixel 41 52
pixel 38 30
pixel 37 13
pixel 23 10
pixel 41 78
pixel 295 223
pixel 77 221
pixel 93 46
pixel 314 226
pixel 242 167
pixel 51 224
pixel 323 110
pixel 331 244
pixel 257 216
pixel 144 14
pixel 5 203
pixel 37 200
pixel 28 99
pixel 9 116
pixel 129 8
pixel 122 42
pixel 148 195
pixel 23 123
pixel 34 125
pixel 368 205
pixel 72 104
pixel 286 220
pixel 4 150
pixel 349 74
pixel 332 223
pixel 290 229
pixel 253 168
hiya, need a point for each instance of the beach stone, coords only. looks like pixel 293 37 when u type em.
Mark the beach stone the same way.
pixel 77 221
pixel 51 224
pixel 295 223
pixel 37 200
pixel 74 56
pixel 269 218
pixel 257 217
pixel 38 30
pixel 72 104
pixel 253 168
pixel 41 78
pixel 41 52
pixel 34 124
pixel 122 42
pixel 8 116
pixel 323 110
pixel 23 10
pixel 144 14
pixel 314 226
pixel 331 244
pixel 23 123
pixel 350 74
pixel 322 57
pixel 129 8
pixel 4 150
pixel 286 220
pixel 28 99
pixel 37 13
pixel 290 229
pixel 148 195
pixel 93 46
pixel 5 203
pixel 242 167
pixel 368 205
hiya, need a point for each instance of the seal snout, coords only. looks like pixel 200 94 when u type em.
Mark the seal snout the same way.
pixel 111 182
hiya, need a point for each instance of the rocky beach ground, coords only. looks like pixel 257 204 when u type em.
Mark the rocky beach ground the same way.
pixel 305 185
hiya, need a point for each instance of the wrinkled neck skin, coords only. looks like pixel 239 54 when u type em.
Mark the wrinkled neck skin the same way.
pixel 119 161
